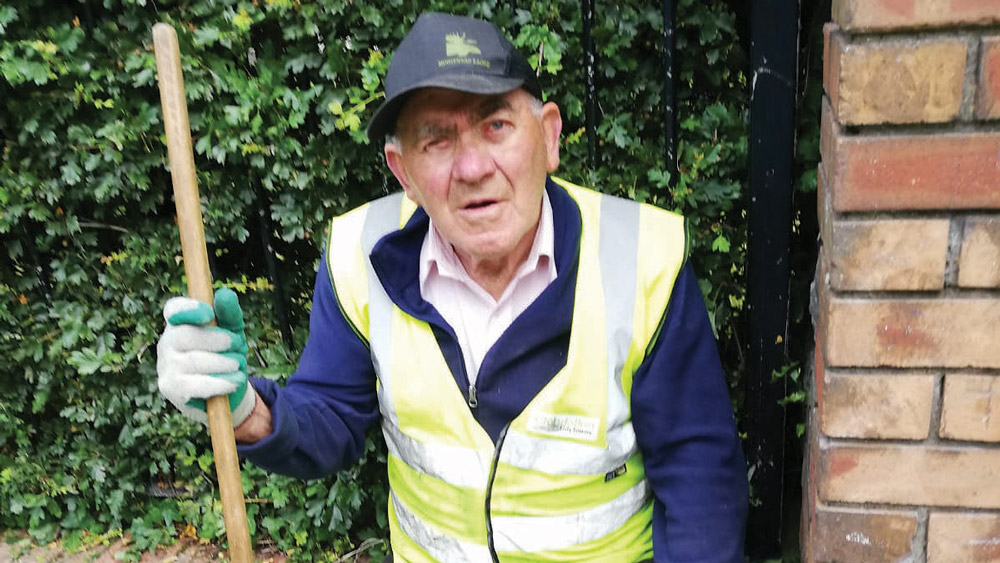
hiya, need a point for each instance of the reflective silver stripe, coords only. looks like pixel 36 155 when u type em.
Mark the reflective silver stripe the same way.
pixel 435 543
pixel 618 248
pixel 546 533
pixel 565 457
pixel 455 465
pixel 619 251
pixel 381 218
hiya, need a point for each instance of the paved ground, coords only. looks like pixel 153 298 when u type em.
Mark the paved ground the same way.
pixel 14 550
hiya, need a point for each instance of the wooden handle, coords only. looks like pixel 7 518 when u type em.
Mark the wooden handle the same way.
pixel 199 277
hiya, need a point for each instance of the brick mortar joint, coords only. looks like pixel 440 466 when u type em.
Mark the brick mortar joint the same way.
pixel 937 408
pixel 902 34
pixel 944 294
pixel 931 443
pixel 970 83
pixel 956 233
pixel 918 546
pixel 835 505
pixel 845 371
pixel 923 129
pixel 905 508
pixel 913 214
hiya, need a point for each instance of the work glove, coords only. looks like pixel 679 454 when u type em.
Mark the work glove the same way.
pixel 195 361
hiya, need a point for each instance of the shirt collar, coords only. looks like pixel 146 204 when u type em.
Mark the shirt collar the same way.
pixel 438 256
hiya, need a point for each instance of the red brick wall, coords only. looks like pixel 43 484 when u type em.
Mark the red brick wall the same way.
pixel 903 457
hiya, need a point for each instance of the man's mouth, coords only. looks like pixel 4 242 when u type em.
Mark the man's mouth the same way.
pixel 480 204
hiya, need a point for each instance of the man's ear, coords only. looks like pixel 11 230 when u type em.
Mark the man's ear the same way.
pixel 394 158
pixel 551 130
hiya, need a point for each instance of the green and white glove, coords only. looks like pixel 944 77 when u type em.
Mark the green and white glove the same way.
pixel 195 361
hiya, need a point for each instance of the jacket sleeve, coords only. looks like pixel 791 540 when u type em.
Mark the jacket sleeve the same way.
pixel 320 416
pixel 684 426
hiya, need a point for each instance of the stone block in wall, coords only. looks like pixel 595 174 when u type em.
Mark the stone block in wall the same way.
pixel 971 408
pixel 913 80
pixel 909 172
pixel 979 263
pixel 963 537
pixel 895 14
pixel 860 534
pixel 877 406
pixel 927 475
pixel 887 254
pixel 988 87
pixel 947 332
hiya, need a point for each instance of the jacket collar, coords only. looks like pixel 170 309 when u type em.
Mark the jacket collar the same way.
pixel 396 256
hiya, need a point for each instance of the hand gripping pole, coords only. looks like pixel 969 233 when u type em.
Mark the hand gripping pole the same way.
pixel 199 277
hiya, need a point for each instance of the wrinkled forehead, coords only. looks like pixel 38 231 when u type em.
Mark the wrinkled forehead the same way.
pixel 441 107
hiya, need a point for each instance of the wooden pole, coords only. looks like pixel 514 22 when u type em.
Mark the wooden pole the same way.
pixel 199 277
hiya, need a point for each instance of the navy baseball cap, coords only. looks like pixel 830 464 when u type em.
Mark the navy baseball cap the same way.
pixel 455 52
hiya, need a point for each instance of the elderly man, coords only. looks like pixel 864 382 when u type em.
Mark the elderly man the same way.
pixel 538 354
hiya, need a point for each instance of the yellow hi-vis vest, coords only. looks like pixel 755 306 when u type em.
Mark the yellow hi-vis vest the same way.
pixel 565 480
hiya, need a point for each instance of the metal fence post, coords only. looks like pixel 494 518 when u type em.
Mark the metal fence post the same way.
pixel 669 90
pixel 774 61
pixel 589 63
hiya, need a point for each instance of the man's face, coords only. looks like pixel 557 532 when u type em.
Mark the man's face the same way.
pixel 477 165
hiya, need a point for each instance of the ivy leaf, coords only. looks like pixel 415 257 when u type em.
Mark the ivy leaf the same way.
pixel 7 15
pixel 242 20
pixel 279 497
pixel 793 398
pixel 40 399
pixel 720 244
pixel 86 361
pixel 299 63
pixel 29 71
pixel 99 473
pixel 206 36
pixel 70 173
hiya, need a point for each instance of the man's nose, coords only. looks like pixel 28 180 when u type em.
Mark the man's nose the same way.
pixel 473 162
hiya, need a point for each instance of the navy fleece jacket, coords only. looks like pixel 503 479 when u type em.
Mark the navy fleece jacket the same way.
pixel 680 405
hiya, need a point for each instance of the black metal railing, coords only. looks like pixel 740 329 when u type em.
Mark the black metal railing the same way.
pixel 774 29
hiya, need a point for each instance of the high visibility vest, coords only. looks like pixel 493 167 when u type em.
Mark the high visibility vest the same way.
pixel 565 480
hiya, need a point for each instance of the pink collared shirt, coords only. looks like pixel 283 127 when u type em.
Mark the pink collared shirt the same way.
pixel 477 318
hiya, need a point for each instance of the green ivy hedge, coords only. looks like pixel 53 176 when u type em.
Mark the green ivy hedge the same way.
pixel 278 94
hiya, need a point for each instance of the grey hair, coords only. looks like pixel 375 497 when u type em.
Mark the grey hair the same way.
pixel 536 106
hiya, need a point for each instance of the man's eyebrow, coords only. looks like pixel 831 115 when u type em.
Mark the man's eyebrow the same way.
pixel 432 130
pixel 491 105
pixel 484 109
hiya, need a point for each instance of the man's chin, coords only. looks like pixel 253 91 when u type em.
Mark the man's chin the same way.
pixel 486 248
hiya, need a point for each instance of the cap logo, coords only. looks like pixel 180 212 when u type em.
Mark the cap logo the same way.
pixel 459 50
pixel 456 45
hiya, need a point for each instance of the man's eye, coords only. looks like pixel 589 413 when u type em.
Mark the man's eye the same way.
pixel 435 143
pixel 497 125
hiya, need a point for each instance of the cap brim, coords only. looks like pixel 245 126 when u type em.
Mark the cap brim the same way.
pixel 383 122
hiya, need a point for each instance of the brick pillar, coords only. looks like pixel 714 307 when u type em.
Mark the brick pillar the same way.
pixel 903 458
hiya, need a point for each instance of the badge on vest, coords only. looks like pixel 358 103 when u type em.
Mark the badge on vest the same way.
pixel 564 425
pixel 615 473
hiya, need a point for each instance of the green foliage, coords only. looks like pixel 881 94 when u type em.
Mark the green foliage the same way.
pixel 278 94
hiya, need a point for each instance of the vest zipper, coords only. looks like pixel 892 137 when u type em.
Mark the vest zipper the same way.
pixel 489 494
pixel 473 401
